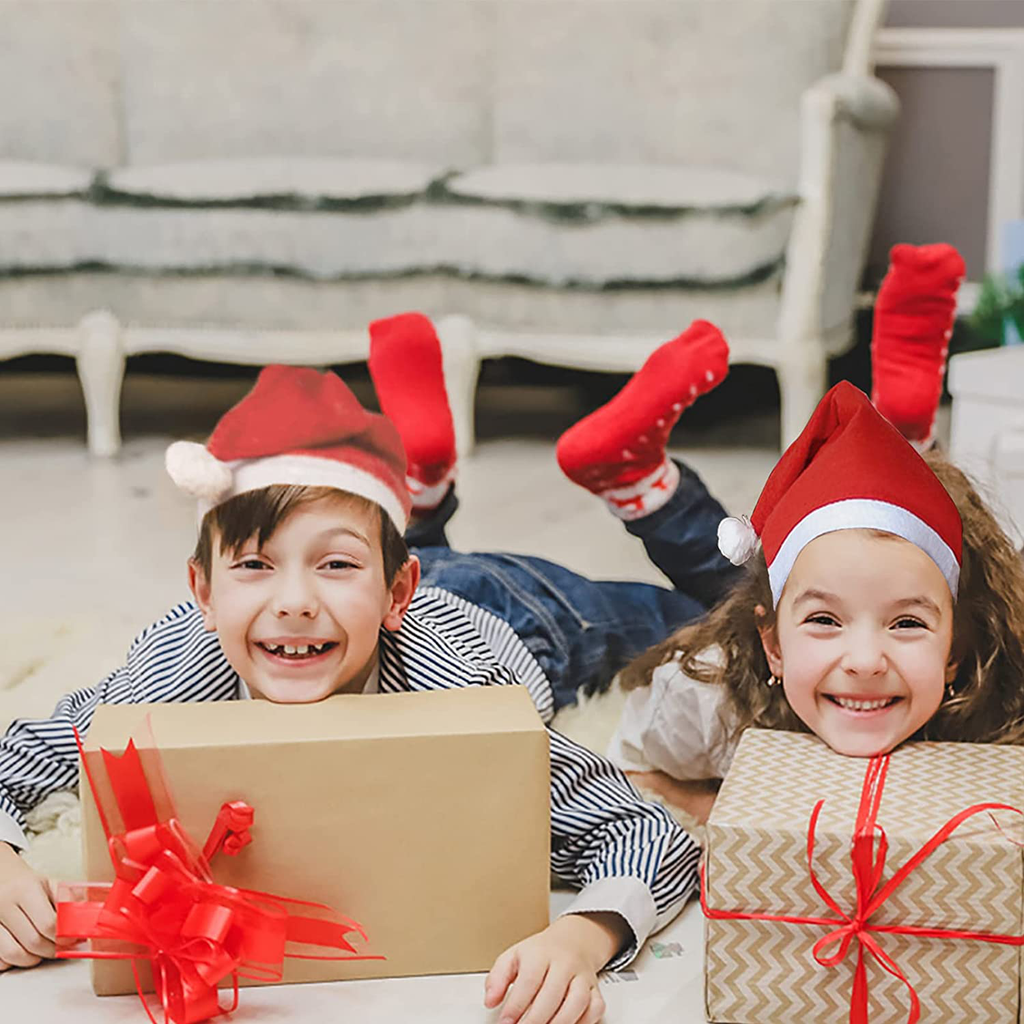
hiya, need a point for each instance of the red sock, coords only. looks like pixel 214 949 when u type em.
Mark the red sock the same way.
pixel 618 452
pixel 408 375
pixel 914 315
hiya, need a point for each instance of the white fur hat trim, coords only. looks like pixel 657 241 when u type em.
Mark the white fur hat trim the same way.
pixel 197 472
pixel 736 539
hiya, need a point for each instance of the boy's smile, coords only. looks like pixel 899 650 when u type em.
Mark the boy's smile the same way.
pixel 862 640
pixel 299 618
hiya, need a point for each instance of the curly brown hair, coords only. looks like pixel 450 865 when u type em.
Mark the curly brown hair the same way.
pixel 987 701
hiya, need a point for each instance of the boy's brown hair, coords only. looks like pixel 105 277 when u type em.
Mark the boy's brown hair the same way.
pixel 260 512
pixel 986 703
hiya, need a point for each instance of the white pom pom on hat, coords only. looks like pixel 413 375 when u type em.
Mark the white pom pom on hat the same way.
pixel 737 539
pixel 197 471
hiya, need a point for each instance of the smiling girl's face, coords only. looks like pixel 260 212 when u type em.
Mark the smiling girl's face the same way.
pixel 862 640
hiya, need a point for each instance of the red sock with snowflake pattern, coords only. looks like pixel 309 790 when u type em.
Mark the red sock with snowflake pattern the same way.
pixel 914 315
pixel 618 452
pixel 408 375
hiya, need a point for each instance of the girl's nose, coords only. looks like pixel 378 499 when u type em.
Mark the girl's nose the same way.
pixel 865 655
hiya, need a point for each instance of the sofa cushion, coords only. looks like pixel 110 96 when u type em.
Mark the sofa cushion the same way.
pixel 597 189
pixel 20 179
pixel 601 224
pixel 558 225
pixel 271 180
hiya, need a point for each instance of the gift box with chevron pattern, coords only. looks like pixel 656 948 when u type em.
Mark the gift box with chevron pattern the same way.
pixel 783 946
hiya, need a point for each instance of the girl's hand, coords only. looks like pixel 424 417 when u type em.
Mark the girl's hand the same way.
pixel 28 921
pixel 555 971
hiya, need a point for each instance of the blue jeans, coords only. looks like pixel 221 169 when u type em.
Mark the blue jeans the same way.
pixel 583 631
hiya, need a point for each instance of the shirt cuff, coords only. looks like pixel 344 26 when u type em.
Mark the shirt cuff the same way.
pixel 10 832
pixel 628 897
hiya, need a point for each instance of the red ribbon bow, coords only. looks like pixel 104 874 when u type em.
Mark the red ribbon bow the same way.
pixel 868 862
pixel 166 906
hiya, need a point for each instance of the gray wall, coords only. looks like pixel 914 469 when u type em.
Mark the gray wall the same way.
pixel 935 186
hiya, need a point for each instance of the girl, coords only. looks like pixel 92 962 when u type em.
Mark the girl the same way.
pixel 885 602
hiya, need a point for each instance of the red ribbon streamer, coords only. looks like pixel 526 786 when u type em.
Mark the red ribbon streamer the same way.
pixel 165 906
pixel 868 863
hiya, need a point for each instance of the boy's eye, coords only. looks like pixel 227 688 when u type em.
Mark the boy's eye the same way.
pixel 250 563
pixel 338 564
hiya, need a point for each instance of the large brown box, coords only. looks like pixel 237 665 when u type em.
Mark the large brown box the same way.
pixel 759 971
pixel 424 816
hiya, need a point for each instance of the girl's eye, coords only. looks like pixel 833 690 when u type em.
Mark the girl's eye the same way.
pixel 822 619
pixel 910 624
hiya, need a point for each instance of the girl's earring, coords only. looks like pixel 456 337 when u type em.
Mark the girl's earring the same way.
pixel 950 691
pixel 773 681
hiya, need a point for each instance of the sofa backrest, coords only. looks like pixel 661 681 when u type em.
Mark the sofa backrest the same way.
pixel 59 82
pixel 715 82
pixel 462 82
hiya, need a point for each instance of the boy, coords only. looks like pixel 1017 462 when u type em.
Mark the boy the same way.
pixel 304 587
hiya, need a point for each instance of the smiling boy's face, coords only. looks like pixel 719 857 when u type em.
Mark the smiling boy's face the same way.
pixel 299 618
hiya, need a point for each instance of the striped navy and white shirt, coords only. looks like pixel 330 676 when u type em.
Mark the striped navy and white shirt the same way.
pixel 625 855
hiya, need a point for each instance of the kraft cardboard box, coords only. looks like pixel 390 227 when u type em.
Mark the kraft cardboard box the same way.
pixel 423 816
pixel 763 972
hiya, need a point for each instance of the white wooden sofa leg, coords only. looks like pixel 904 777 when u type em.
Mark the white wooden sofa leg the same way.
pixel 101 369
pixel 803 380
pixel 457 335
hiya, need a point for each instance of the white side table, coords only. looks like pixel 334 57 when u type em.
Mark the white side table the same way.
pixel 987 431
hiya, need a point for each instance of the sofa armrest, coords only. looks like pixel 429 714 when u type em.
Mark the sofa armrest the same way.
pixel 868 102
pixel 845 120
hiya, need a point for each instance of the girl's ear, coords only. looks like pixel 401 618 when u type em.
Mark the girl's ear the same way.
pixel 952 667
pixel 200 587
pixel 401 592
pixel 769 640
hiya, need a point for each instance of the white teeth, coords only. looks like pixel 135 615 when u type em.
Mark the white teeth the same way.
pixel 862 705
pixel 298 650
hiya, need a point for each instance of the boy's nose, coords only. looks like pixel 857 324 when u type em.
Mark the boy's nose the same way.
pixel 295 599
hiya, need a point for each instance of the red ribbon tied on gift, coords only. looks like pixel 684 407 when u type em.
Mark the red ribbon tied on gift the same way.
pixel 867 856
pixel 164 906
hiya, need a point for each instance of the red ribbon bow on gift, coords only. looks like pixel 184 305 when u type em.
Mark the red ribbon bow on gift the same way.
pixel 166 906
pixel 868 862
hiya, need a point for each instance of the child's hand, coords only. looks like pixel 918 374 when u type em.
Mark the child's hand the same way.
pixel 555 971
pixel 694 797
pixel 28 921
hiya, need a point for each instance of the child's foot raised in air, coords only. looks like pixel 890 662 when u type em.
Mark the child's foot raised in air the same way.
pixel 618 452
pixel 914 315
pixel 408 375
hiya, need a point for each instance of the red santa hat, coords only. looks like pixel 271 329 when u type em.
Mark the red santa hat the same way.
pixel 296 426
pixel 849 469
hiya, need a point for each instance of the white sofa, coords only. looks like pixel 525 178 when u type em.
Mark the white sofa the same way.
pixel 571 181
